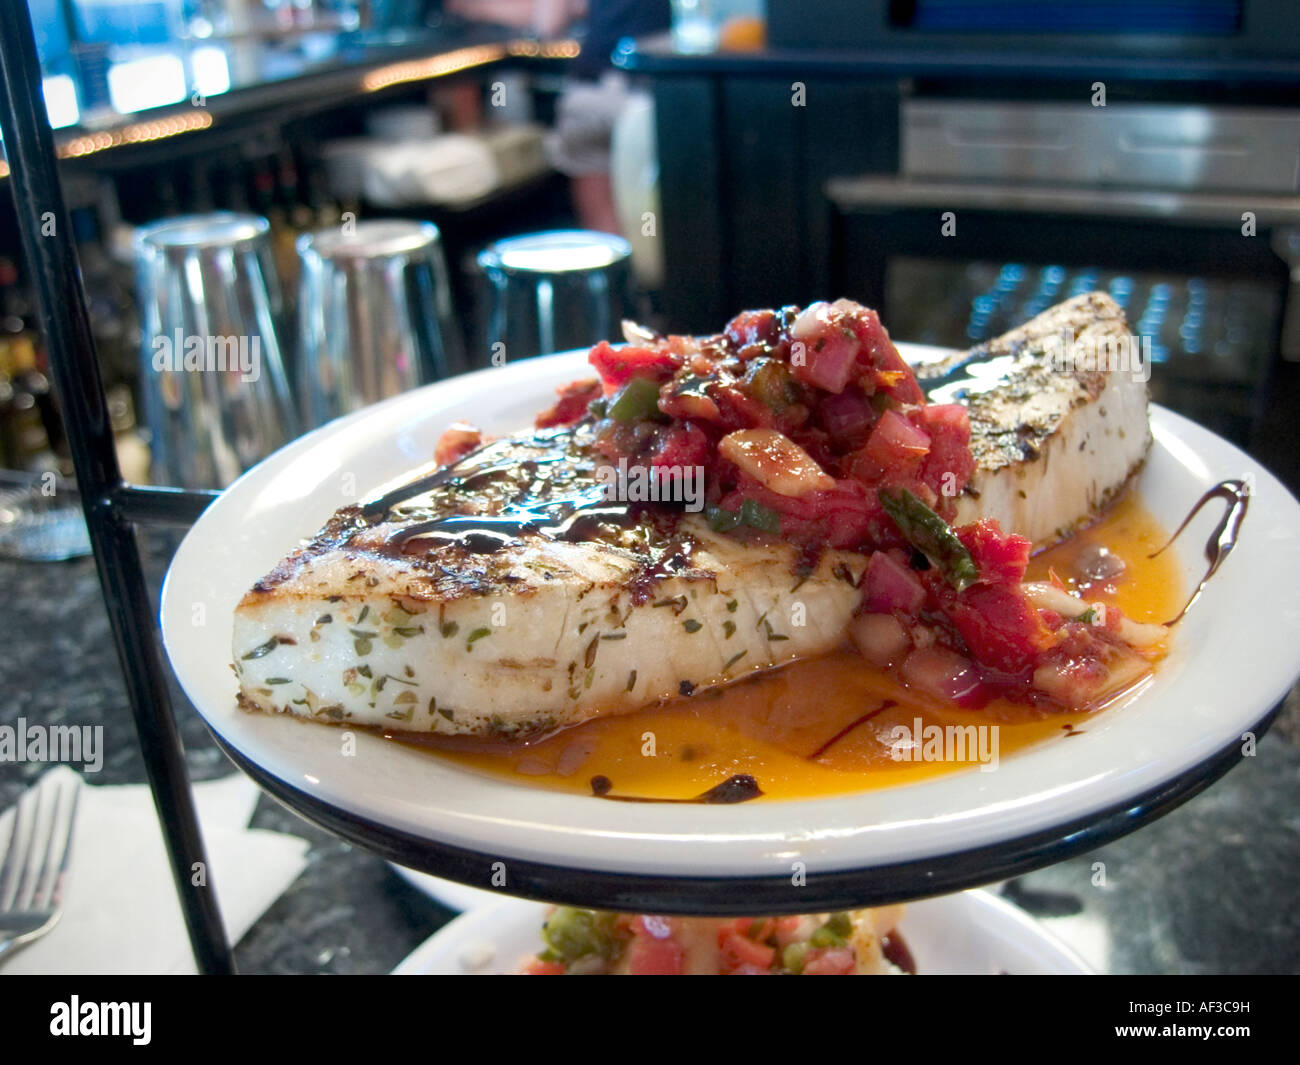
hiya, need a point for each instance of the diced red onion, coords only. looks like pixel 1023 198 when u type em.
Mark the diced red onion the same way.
pixel 940 672
pixel 848 417
pixel 889 585
pixel 896 442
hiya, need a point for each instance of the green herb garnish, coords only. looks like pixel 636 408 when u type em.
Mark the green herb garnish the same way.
pixel 261 650
pixel 721 520
pixel 932 536
pixel 751 513
pixel 757 516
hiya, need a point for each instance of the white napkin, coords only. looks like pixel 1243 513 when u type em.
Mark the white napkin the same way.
pixel 121 913
pixel 452 168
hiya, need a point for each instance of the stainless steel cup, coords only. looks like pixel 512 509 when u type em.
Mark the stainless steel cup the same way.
pixel 214 389
pixel 554 291
pixel 375 315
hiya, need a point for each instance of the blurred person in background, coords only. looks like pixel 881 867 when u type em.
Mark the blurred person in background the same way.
pixel 596 93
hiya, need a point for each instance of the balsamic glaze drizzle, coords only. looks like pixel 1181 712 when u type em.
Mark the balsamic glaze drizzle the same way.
pixel 566 515
pixel 855 723
pixel 1224 537
pixel 738 788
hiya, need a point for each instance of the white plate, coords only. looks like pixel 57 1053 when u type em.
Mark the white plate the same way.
pixel 1233 659
pixel 973 933
pixel 446 892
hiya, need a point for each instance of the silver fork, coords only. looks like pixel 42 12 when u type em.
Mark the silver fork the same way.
pixel 35 864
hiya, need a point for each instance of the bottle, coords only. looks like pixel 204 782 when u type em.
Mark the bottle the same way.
pixel 33 430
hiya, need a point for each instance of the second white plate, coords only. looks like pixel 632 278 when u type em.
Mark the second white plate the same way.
pixel 973 933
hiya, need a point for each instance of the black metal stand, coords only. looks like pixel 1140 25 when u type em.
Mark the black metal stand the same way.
pixel 112 507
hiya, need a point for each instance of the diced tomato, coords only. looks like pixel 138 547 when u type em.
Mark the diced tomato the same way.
pixel 787 930
pixel 617 366
pixel 830 961
pixel 682 444
pixel 738 926
pixel 654 950
pixel 456 441
pixel 537 967
pixel 1001 557
pixel 844 517
pixel 879 356
pixel 898 444
pixel 752 327
pixel 759 929
pixel 572 404
pixel 862 467
pixel 1000 625
pixel 949 466
pixel 647 956
pixel 739 950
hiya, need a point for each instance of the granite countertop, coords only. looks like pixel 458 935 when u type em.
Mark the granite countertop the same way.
pixel 1210 888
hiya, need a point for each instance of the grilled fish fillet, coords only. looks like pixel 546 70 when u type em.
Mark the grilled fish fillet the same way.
pixel 499 597
pixel 1055 440
pixel 472 629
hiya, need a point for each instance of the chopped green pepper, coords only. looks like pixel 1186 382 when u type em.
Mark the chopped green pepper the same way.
pixel 792 957
pixel 637 399
pixel 932 536
pixel 834 933
pixel 769 383
pixel 572 934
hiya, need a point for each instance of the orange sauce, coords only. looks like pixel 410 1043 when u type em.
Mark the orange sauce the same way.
pixel 770 724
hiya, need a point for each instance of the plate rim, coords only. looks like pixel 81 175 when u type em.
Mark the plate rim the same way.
pixel 734 895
